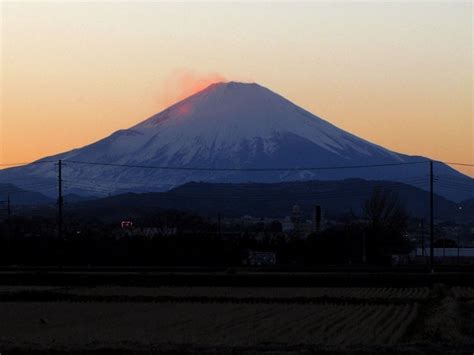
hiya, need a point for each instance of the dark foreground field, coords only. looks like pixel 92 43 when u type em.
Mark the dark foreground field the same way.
pixel 49 317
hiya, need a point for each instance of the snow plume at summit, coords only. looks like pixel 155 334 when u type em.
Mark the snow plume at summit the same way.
pixel 183 83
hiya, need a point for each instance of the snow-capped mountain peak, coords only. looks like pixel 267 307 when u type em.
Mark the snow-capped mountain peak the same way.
pixel 227 126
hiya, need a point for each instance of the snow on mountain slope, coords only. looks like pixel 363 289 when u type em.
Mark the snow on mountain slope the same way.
pixel 227 126
pixel 222 117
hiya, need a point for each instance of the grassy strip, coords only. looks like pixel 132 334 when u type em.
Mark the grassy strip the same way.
pixel 54 296
pixel 273 349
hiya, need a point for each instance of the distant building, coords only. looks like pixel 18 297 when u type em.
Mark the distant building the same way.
pixel 446 252
pixel 126 224
pixel 461 255
pixel 259 258
pixel 149 232
pixel 286 224
pixel 400 259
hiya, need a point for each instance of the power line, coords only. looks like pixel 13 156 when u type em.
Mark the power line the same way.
pixel 15 164
pixel 454 182
pixel 245 169
pixel 236 169
pixel 27 163
pixel 26 189
pixel 453 187
pixel 106 184
pixel 451 163
pixel 252 186
pixel 362 188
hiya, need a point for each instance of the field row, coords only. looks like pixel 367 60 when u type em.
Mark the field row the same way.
pixel 262 292
pixel 214 295
pixel 89 325
pixel 463 292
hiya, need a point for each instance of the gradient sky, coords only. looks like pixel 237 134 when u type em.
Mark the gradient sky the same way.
pixel 397 74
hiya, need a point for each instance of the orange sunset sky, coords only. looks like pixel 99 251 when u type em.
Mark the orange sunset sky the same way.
pixel 399 74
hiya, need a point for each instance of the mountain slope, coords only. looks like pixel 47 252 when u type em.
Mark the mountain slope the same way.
pixel 22 197
pixel 231 126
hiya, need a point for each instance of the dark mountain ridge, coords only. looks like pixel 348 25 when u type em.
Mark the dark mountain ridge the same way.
pixel 337 198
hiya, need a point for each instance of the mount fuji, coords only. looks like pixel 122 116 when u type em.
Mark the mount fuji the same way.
pixel 214 134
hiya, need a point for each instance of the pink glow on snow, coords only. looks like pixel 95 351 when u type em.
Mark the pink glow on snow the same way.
pixel 183 109
pixel 184 83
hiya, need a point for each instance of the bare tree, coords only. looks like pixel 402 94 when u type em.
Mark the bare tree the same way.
pixel 387 223
pixel 384 210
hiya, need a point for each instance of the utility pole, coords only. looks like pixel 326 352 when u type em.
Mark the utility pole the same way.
pixel 60 200
pixel 9 207
pixel 348 252
pixel 364 248
pixel 423 238
pixel 9 212
pixel 431 218
pixel 317 218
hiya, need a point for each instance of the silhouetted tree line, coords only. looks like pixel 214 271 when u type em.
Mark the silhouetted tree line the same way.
pixel 201 242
